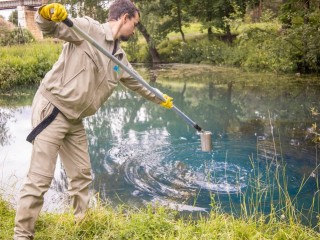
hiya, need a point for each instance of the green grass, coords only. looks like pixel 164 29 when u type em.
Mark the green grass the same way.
pixel 192 30
pixel 105 222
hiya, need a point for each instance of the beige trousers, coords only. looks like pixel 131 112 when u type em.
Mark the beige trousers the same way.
pixel 68 139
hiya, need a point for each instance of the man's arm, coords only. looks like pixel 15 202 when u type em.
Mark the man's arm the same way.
pixel 136 86
pixel 49 20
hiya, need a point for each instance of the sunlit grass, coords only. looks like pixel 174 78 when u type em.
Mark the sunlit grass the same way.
pixel 192 30
pixel 155 222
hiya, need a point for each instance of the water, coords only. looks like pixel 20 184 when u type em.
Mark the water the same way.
pixel 142 153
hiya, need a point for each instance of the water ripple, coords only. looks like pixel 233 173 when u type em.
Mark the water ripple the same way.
pixel 169 171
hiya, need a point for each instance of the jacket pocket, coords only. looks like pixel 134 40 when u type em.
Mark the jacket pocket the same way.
pixel 74 76
pixel 74 67
pixel 94 59
pixel 41 109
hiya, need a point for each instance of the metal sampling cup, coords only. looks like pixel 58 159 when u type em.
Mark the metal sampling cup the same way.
pixel 206 141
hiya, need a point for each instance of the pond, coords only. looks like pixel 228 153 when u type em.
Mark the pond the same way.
pixel 141 153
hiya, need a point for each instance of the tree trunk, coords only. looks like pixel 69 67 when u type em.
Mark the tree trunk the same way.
pixel 180 22
pixel 210 33
pixel 153 51
pixel 306 7
pixel 228 34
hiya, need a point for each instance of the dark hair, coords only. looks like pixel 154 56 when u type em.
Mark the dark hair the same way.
pixel 120 7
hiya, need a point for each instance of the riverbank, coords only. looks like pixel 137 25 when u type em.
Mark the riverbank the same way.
pixel 255 49
pixel 106 222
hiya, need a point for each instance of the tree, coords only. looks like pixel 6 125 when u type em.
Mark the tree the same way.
pixel 14 17
pixel 92 8
pixel 174 16
pixel 300 23
pixel 152 48
pixel 146 8
pixel 212 13
pixel 5 31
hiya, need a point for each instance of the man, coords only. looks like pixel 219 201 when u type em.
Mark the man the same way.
pixel 77 85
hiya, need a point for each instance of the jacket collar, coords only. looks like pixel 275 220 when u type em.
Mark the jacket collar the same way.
pixel 108 31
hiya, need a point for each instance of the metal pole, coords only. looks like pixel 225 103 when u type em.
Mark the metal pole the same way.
pixel 70 24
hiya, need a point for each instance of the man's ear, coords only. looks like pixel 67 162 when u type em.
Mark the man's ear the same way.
pixel 125 17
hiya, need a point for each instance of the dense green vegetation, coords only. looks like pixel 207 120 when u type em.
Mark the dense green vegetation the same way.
pixel 278 36
pixel 11 35
pixel 264 35
pixel 25 65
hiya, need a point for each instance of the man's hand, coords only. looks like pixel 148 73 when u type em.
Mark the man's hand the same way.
pixel 168 103
pixel 54 12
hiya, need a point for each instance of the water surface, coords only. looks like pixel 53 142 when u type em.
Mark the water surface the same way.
pixel 142 153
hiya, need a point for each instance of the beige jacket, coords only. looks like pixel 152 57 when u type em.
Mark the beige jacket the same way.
pixel 83 78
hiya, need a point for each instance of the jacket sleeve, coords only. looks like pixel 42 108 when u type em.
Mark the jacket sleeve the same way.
pixel 136 86
pixel 60 30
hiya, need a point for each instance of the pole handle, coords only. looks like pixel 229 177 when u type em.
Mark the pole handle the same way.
pixel 68 22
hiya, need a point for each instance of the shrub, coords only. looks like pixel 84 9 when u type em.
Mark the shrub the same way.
pixel 10 35
pixel 26 64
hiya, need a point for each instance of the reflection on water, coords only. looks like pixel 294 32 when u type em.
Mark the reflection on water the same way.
pixel 142 153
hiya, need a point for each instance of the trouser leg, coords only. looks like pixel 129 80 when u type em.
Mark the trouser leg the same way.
pixel 75 159
pixel 36 185
pixel 43 161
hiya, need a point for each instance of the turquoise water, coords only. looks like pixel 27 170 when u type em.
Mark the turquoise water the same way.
pixel 142 153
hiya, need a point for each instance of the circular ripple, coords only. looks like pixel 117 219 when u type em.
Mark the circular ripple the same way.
pixel 176 170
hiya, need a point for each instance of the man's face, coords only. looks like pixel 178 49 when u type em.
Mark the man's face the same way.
pixel 129 26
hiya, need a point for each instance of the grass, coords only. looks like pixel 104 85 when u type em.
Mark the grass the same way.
pixel 192 30
pixel 155 222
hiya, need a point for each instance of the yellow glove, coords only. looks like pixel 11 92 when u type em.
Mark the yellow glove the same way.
pixel 54 12
pixel 168 103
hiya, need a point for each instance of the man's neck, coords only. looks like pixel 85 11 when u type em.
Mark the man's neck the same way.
pixel 115 28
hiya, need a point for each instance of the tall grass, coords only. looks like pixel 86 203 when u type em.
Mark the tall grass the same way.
pixel 105 222
pixel 284 220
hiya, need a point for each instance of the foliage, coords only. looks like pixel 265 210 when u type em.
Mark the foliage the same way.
pixel 194 51
pixel 5 30
pixel 10 35
pixel 14 17
pixel 213 13
pixel 265 50
pixel 136 52
pixel 94 9
pixel 301 23
pixel 20 36
pixel 174 15
pixel 26 64
pixel 254 49
pixel 151 19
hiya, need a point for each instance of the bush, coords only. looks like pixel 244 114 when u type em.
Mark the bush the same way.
pixel 26 64
pixel 257 47
pixel 198 50
pixel 265 50
pixel 10 35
